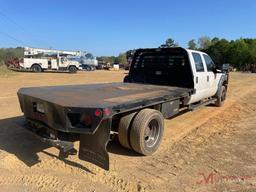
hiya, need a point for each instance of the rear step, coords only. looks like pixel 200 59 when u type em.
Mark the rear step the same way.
pixel 193 107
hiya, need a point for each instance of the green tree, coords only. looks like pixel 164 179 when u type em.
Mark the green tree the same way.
pixel 107 59
pixel 240 53
pixel 122 59
pixel 10 53
pixel 215 40
pixel 219 51
pixel 169 43
pixel 204 42
pixel 192 44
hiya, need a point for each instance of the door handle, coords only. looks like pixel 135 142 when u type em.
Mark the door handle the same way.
pixel 207 78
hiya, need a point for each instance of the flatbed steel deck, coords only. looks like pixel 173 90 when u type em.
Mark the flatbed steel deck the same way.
pixel 112 95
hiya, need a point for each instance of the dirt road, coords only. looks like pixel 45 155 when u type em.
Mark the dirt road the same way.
pixel 211 149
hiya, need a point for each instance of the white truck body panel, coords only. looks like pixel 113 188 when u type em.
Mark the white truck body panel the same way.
pixel 28 62
pixel 205 82
pixel 55 63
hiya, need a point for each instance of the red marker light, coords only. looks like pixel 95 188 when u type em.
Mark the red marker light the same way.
pixel 106 111
pixel 97 113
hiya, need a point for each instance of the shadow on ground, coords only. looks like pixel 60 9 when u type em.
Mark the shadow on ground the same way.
pixel 17 140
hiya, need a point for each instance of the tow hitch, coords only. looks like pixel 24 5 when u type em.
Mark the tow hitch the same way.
pixel 65 147
pixel 92 146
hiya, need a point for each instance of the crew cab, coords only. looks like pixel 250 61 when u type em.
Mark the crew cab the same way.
pixel 161 83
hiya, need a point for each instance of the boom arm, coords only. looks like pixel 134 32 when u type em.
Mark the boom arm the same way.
pixel 28 51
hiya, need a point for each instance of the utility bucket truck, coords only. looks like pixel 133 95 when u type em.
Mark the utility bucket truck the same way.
pixel 38 60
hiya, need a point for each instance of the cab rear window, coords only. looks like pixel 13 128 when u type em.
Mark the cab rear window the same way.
pixel 159 60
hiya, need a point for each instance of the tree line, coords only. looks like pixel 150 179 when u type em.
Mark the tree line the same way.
pixel 121 58
pixel 10 53
pixel 239 53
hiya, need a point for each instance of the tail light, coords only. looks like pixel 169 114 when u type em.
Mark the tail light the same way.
pixel 106 111
pixel 98 113
pixel 89 118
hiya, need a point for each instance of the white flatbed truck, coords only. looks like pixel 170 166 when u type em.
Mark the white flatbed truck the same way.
pixel 161 84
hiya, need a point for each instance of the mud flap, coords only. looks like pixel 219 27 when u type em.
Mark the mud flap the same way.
pixel 93 147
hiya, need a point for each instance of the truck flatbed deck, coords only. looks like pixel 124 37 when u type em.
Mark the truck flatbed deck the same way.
pixel 112 95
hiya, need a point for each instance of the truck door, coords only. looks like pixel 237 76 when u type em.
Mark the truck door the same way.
pixel 200 78
pixel 210 75
pixel 54 64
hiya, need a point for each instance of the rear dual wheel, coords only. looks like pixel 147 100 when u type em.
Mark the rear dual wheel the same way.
pixel 36 68
pixel 142 132
pixel 124 130
pixel 72 69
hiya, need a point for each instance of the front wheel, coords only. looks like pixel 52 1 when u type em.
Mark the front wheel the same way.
pixel 221 97
pixel 147 131
pixel 72 69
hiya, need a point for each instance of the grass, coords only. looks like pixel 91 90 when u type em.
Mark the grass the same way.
pixel 5 72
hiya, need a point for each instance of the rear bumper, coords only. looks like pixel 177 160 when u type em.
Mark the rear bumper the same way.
pixel 92 147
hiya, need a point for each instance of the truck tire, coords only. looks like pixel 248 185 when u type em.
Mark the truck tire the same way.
pixel 72 69
pixel 221 97
pixel 147 131
pixel 36 68
pixel 124 130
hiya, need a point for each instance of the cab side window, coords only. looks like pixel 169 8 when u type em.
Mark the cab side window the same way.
pixel 198 62
pixel 209 63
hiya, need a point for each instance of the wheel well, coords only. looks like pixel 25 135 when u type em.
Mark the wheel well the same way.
pixel 36 64
pixel 72 66
pixel 225 83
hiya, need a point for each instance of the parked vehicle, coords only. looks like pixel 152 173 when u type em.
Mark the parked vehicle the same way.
pixel 43 64
pixel 39 60
pixel 86 67
pixel 161 84
pixel 87 61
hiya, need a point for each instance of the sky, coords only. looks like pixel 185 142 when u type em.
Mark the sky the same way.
pixel 108 27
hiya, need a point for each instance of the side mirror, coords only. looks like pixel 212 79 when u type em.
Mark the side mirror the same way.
pixel 224 68
pixel 216 69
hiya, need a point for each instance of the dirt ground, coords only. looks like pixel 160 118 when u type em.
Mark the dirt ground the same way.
pixel 210 149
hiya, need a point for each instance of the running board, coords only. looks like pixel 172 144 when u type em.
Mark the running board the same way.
pixel 193 107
